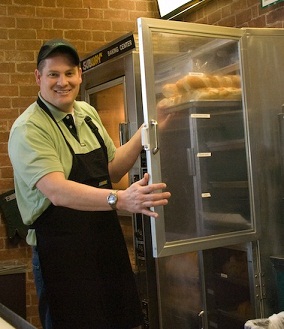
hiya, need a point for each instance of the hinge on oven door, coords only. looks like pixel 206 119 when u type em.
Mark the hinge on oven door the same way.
pixel 146 139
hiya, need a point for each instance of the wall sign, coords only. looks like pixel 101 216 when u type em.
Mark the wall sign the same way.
pixel 265 3
pixel 112 50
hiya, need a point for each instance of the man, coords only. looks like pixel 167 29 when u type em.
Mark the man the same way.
pixel 63 189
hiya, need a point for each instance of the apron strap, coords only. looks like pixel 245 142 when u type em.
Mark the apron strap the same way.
pixel 46 110
pixel 95 130
pixel 89 122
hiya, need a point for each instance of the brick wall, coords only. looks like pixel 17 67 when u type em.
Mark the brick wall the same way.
pixel 238 13
pixel 24 25
pixel 89 24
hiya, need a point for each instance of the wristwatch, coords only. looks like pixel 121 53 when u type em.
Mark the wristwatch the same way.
pixel 112 199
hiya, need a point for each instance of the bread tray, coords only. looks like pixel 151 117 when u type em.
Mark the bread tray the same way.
pixel 204 104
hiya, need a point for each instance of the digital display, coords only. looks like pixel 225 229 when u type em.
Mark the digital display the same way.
pixel 166 6
pixel 171 8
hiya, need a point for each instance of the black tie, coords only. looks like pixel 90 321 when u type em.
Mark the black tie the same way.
pixel 70 124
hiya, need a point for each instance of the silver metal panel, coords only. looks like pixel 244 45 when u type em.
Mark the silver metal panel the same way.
pixel 262 67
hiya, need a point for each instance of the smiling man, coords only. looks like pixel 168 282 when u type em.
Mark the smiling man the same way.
pixel 64 193
pixel 59 82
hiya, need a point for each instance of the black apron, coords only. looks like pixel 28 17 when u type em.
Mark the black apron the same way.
pixel 84 259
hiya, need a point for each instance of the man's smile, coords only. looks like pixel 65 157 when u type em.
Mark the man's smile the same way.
pixel 63 92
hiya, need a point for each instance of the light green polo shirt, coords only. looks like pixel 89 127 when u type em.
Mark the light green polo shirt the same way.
pixel 36 147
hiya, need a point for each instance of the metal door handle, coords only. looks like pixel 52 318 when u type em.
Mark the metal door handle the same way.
pixel 154 123
pixel 201 315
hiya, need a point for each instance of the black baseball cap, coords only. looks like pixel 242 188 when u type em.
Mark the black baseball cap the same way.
pixel 50 46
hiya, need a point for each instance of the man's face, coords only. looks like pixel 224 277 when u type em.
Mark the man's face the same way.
pixel 59 81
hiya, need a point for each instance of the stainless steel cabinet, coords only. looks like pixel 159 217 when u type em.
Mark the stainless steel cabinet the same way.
pixel 209 100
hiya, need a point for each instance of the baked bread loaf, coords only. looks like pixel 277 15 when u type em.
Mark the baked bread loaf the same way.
pixel 200 94
pixel 175 100
pixel 170 90
pixel 199 86
pixel 166 103
pixel 196 81
pixel 217 93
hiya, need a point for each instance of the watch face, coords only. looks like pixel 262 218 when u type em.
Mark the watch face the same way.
pixel 112 199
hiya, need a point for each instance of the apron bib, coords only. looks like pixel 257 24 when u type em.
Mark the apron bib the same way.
pixel 84 259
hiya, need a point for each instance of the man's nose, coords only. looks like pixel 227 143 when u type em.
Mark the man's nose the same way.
pixel 62 80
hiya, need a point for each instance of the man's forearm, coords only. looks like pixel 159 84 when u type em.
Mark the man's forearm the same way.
pixel 125 157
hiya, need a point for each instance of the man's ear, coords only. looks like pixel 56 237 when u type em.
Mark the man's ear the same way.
pixel 80 73
pixel 37 76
